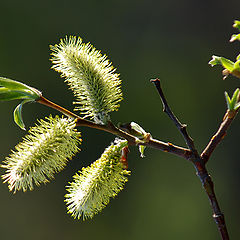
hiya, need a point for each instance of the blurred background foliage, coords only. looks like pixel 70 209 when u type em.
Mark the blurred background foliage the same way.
pixel 172 40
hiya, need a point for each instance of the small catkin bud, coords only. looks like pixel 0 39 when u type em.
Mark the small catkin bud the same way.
pixel 95 185
pixel 41 154
pixel 91 77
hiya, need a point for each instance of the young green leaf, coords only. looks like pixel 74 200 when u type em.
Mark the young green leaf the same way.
pixel 235 37
pixel 233 103
pixel 11 90
pixel 230 67
pixel 6 94
pixel 141 149
pixel 237 64
pixel 226 63
pixel 228 100
pixel 17 114
pixel 215 61
pixel 237 24
pixel 140 132
pixel 134 129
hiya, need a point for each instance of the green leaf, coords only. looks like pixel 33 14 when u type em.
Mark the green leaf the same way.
pixel 237 65
pixel 228 100
pixel 237 106
pixel 215 61
pixel 11 90
pixel 138 130
pixel 17 114
pixel 141 149
pixel 6 94
pixel 234 99
pixel 236 24
pixel 235 37
pixel 233 103
pixel 230 67
pixel 226 63
pixel 236 70
pixel 135 130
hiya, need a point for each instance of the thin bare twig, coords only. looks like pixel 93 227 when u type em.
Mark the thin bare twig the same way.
pixel 166 108
pixel 219 135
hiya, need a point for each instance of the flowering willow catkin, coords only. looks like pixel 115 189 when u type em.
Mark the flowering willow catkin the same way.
pixel 91 77
pixel 43 152
pixel 93 186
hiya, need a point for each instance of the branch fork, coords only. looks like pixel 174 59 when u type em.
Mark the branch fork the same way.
pixel 199 161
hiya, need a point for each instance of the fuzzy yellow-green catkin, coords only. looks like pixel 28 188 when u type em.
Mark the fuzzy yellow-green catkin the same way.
pixel 91 77
pixel 93 186
pixel 42 153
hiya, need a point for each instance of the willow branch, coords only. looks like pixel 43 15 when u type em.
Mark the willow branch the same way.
pixel 110 128
pixel 219 135
pixel 189 154
pixel 199 165
pixel 42 100
pixel 169 147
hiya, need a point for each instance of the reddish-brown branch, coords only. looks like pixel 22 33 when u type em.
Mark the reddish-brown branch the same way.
pixel 153 143
pixel 170 148
pixel 208 186
pixel 219 135
pixel 42 100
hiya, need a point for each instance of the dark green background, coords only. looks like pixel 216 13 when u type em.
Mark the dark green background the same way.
pixel 172 40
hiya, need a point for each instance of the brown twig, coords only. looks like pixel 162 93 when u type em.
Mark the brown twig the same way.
pixel 198 162
pixel 170 148
pixel 219 135
pixel 42 100
pixel 153 143
pixel 181 127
